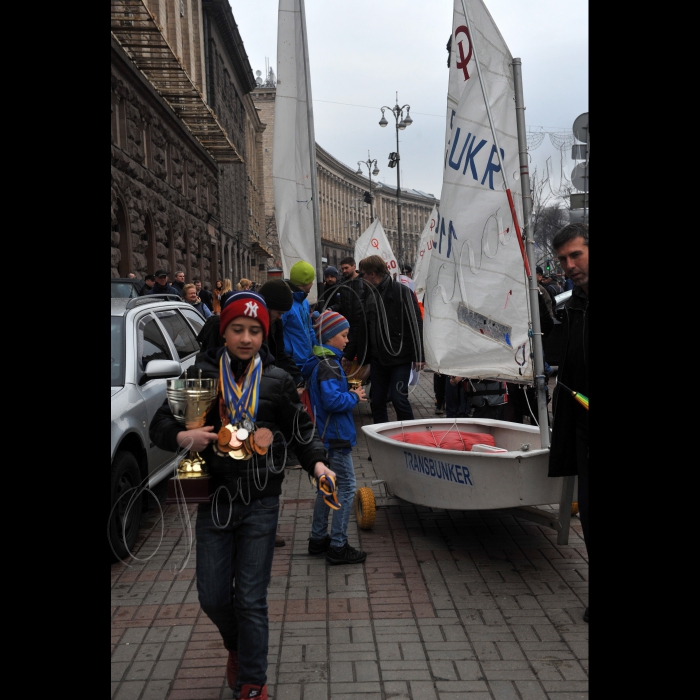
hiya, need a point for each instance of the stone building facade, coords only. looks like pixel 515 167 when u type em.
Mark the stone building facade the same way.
pixel 173 205
pixel 343 214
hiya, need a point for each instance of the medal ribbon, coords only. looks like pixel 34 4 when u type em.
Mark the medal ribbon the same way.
pixel 240 400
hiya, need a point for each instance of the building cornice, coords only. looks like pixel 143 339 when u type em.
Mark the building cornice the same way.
pixel 220 11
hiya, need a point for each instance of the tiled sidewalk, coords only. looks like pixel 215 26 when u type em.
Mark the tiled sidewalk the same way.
pixel 449 605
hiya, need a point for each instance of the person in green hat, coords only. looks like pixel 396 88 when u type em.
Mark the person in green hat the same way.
pixel 298 334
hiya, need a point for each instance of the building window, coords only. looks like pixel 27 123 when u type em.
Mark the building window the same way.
pixel 147 161
pixel 122 227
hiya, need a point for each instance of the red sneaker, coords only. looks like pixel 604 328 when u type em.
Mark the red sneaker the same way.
pixel 232 669
pixel 259 692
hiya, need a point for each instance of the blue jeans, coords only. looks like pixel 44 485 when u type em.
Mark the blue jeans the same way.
pixel 390 383
pixel 345 483
pixel 233 572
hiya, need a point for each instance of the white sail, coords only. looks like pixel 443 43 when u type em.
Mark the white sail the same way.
pixel 374 242
pixel 425 246
pixel 293 157
pixel 476 307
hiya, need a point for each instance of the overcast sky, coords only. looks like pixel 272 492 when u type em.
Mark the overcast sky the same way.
pixel 362 52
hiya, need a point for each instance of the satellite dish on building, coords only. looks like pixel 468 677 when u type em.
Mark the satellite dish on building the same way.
pixel 580 127
pixel 258 79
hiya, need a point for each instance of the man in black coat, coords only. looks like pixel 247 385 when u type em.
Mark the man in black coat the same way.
pixel 203 294
pixel 179 281
pixel 569 449
pixel 161 286
pixel 395 339
pixel 352 291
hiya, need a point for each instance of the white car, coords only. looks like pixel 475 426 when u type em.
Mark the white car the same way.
pixel 154 338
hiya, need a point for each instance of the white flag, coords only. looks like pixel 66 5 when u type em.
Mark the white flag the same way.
pixel 293 156
pixel 476 309
pixel 425 245
pixel 374 242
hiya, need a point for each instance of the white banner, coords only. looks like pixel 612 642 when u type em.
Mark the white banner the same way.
pixel 476 310
pixel 425 245
pixel 292 160
pixel 374 242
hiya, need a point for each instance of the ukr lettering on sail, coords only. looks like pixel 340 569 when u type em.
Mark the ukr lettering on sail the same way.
pixel 463 156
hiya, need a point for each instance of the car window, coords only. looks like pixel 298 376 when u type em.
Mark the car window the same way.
pixel 180 333
pixel 123 290
pixel 117 344
pixel 195 318
pixel 152 344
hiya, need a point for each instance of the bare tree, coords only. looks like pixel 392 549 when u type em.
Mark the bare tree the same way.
pixel 549 215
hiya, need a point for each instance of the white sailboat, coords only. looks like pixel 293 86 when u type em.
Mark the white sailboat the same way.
pixel 294 147
pixel 480 299
pixel 373 241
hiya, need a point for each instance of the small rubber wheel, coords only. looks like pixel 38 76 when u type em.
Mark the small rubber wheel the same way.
pixel 365 508
pixel 574 508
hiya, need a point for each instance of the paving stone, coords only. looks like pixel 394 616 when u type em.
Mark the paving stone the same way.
pixel 130 690
pixel 452 606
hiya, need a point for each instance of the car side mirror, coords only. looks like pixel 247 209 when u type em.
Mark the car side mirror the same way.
pixel 162 369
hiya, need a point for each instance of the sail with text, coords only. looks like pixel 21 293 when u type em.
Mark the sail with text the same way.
pixel 425 247
pixel 373 241
pixel 294 154
pixel 476 305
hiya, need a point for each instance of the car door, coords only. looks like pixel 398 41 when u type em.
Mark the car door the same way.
pixel 194 317
pixel 151 344
pixel 182 336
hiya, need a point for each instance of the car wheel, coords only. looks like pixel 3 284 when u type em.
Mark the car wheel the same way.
pixel 125 513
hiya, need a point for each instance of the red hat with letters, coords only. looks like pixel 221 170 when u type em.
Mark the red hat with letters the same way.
pixel 245 303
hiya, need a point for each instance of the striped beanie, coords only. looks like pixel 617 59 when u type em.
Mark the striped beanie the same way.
pixel 328 324
pixel 245 303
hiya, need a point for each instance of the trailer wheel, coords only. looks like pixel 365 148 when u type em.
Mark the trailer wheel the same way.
pixel 574 508
pixel 365 508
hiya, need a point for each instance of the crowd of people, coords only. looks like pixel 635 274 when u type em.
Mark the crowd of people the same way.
pixel 284 367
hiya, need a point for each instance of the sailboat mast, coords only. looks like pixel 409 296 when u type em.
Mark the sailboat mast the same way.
pixel 312 150
pixel 530 247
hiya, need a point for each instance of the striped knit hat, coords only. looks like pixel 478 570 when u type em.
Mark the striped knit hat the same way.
pixel 328 324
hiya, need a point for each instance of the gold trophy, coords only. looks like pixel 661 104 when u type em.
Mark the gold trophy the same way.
pixel 190 400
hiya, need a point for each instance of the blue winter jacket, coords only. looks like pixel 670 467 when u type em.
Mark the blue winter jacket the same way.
pixel 299 336
pixel 330 398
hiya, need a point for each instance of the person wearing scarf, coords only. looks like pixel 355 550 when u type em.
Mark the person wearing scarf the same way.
pixel 235 532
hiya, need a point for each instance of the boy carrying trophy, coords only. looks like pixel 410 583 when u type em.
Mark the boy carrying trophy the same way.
pixel 258 411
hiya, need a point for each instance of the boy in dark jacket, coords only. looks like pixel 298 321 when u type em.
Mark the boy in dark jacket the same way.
pixel 333 404
pixel 236 531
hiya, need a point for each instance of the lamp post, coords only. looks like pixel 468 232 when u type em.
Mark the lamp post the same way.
pixel 394 158
pixel 369 163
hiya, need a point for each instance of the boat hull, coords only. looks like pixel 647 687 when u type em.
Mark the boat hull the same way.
pixel 456 480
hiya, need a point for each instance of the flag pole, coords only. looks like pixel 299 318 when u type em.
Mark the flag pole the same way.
pixel 529 242
pixel 312 153
pixel 511 204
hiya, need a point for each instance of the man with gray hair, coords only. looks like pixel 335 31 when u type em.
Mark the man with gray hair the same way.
pixel 568 454
pixel 179 281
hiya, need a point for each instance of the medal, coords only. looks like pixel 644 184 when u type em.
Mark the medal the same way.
pixel 242 434
pixel 262 439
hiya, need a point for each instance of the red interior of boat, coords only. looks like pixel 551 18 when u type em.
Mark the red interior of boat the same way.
pixel 445 439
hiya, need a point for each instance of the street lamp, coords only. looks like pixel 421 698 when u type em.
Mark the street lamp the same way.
pixel 369 163
pixel 401 123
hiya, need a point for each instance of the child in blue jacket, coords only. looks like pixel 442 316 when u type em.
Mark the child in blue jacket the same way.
pixel 333 404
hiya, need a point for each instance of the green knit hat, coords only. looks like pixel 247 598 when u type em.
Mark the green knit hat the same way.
pixel 301 273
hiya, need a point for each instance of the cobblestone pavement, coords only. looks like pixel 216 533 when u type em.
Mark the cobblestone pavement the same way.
pixel 449 605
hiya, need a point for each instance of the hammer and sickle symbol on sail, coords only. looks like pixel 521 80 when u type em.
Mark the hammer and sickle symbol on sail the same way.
pixel 462 63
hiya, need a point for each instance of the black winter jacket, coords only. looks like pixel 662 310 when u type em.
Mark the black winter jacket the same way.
pixel 279 409
pixel 573 372
pixel 394 324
